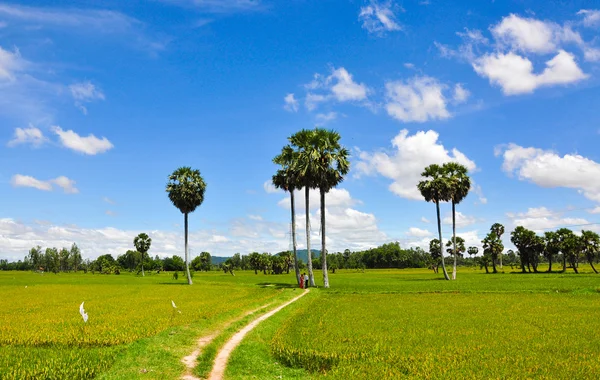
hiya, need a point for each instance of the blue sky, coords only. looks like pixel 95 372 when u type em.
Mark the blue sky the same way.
pixel 99 104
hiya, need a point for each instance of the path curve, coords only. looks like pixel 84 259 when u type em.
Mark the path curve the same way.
pixel 223 356
pixel 191 360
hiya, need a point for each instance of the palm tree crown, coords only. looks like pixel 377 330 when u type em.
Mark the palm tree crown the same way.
pixel 186 189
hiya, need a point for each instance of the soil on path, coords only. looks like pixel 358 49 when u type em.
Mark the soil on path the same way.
pixel 223 356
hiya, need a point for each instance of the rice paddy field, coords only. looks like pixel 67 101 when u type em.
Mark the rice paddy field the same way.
pixel 372 324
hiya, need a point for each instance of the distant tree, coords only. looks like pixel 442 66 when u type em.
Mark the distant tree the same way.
pixel 288 260
pixel 570 246
pixel 590 243
pixel 36 258
pixel 142 244
pixel 434 252
pixel 206 261
pixel 436 188
pixel 459 243
pixel 265 262
pixel 236 261
pixel 530 246
pixel 186 189
pixel 52 260
pixel 492 244
pixel 551 247
pixel 75 257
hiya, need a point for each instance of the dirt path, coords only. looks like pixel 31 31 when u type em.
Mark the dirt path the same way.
pixel 191 360
pixel 223 355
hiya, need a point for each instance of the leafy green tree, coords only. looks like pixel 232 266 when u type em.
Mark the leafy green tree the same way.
pixel 75 257
pixel 492 244
pixel 590 243
pixel 459 186
pixel 530 246
pixel 186 189
pixel 236 261
pixel 63 258
pixel 569 247
pixel 435 188
pixel 52 260
pixel 205 261
pixel 457 243
pixel 36 258
pixel 551 247
pixel 287 179
pixel 288 260
pixel 142 244
pixel 254 260
pixel 434 252
pixel 325 161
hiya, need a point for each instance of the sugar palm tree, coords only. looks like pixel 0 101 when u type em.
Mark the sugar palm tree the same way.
pixel 327 160
pixel 460 184
pixel 186 189
pixel 142 244
pixel 435 188
pixel 286 179
pixel 303 164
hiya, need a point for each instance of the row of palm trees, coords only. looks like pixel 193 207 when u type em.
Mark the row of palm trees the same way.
pixel 449 182
pixel 312 159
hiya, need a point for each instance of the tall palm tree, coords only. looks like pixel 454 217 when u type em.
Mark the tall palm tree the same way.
pixel 142 244
pixel 186 189
pixel 435 188
pixel 286 179
pixel 327 160
pixel 460 184
pixel 303 164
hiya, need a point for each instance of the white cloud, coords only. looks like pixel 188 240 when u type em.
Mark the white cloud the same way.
pixel 335 198
pixel 525 34
pixel 514 73
pixel 108 200
pixel 19 180
pixel 324 118
pixel 379 17
pixel 595 210
pixel 406 163
pixel 461 94
pixel 68 185
pixel 291 103
pixel 417 100
pixel 479 192
pixel 31 135
pixel 220 6
pixel 462 220
pixel 425 220
pixel 255 217
pixel 547 169
pixel 418 232
pixel 85 92
pixel 338 86
pixel 591 54
pixel 591 17
pixel 10 62
pixel 540 219
pixel 90 145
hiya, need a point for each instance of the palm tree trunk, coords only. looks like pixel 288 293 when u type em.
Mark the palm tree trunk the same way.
pixel 590 260
pixel 494 264
pixel 323 250
pixel 142 254
pixel 439 221
pixel 311 277
pixel 564 268
pixel 187 265
pixel 454 240
pixel 296 267
pixel 549 264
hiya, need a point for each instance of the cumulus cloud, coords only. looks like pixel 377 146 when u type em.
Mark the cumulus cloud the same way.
pixel 68 185
pixel 270 188
pixel 418 232
pixel 514 73
pixel 291 103
pixel 540 219
pixel 548 169
pixel 462 220
pixel 324 118
pixel 405 163
pixel 379 17
pixel 339 86
pixel 461 94
pixel 10 62
pixel 31 135
pixel 90 145
pixel 417 100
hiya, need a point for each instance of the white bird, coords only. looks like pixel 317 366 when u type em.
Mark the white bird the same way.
pixel 83 313
pixel 173 303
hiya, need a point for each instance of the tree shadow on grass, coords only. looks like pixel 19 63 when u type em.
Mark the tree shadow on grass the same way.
pixel 276 285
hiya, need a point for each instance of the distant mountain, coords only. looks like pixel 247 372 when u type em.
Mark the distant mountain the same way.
pixel 303 254
pixel 216 260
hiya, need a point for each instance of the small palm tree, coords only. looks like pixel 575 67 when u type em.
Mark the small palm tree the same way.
pixel 435 188
pixel 286 179
pixel 142 244
pixel 460 184
pixel 186 189
pixel 590 242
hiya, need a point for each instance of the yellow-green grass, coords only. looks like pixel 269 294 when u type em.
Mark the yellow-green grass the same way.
pixel 42 334
pixel 391 324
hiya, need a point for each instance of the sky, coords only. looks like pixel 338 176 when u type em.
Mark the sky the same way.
pixel 100 103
